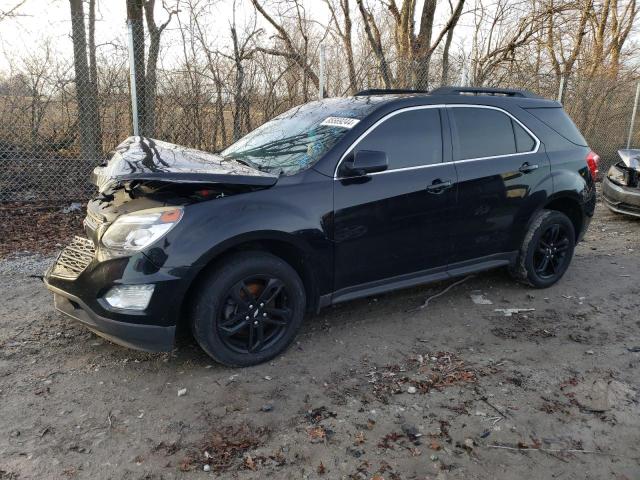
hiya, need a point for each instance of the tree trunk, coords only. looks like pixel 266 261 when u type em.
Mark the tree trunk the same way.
pixel 238 97
pixel 220 109
pixel 348 44
pixel 445 58
pixel 88 117
pixel 373 35
pixel 151 75
pixel 134 15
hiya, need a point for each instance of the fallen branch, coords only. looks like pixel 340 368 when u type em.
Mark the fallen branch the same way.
pixel 486 400
pixel 432 297
pixel 558 450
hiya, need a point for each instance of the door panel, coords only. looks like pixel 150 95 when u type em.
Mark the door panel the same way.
pixel 396 222
pixel 495 202
pixel 389 224
pixel 496 196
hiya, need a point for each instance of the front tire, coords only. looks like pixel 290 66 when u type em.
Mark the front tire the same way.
pixel 248 309
pixel 546 251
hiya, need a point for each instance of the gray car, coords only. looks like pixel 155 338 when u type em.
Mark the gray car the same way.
pixel 621 186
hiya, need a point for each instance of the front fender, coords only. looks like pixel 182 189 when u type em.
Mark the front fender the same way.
pixel 297 211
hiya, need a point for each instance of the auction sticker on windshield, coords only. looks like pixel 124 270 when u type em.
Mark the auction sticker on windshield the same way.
pixel 342 122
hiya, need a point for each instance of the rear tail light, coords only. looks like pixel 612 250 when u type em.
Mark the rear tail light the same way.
pixel 593 160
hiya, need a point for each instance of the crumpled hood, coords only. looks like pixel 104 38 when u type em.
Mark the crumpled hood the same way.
pixel 631 158
pixel 140 158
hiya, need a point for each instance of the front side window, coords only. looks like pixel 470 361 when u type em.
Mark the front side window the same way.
pixel 298 138
pixel 485 132
pixel 410 139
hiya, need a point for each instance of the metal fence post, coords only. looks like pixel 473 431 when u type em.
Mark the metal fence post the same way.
pixel 561 90
pixel 633 116
pixel 321 77
pixel 464 74
pixel 132 83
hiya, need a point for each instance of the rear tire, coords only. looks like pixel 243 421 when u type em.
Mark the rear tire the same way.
pixel 546 251
pixel 248 309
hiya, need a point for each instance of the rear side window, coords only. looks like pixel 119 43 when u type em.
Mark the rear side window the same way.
pixel 524 141
pixel 410 139
pixel 558 120
pixel 485 132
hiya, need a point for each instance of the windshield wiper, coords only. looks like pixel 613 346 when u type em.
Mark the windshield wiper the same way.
pixel 246 163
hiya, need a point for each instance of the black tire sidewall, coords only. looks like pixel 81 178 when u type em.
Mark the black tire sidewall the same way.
pixel 549 218
pixel 213 292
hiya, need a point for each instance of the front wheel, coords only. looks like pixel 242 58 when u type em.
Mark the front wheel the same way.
pixel 249 309
pixel 546 251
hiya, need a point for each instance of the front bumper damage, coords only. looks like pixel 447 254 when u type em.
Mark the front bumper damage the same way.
pixel 621 186
pixel 151 338
pixel 80 278
pixel 621 199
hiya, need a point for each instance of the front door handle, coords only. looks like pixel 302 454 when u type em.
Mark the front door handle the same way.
pixel 526 167
pixel 439 186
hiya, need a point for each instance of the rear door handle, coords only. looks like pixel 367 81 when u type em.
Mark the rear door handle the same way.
pixel 439 186
pixel 526 167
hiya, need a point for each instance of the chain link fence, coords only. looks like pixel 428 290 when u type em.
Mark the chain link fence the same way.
pixel 60 117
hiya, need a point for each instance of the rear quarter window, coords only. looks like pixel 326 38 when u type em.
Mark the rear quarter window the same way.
pixel 556 119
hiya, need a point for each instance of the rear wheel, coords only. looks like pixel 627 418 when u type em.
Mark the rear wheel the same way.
pixel 248 309
pixel 546 251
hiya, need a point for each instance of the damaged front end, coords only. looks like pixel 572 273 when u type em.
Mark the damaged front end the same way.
pixel 145 173
pixel 107 281
pixel 621 186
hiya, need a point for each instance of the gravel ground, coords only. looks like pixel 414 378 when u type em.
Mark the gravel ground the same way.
pixel 373 389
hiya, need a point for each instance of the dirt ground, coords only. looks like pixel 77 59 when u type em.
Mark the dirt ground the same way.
pixel 373 389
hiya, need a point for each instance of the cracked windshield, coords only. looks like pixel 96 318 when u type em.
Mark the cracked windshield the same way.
pixel 296 139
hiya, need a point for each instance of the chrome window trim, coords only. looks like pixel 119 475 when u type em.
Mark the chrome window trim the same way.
pixel 443 106
pixel 490 107
pixel 373 127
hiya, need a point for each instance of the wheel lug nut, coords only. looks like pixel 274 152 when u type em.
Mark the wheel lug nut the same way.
pixel 264 314
pixel 246 318
pixel 250 306
pixel 262 304
pixel 255 323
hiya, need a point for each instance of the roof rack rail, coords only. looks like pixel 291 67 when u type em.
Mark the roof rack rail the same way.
pixel 387 91
pixel 502 92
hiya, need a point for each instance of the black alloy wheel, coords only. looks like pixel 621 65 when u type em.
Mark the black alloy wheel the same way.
pixel 255 314
pixel 546 250
pixel 247 308
pixel 551 253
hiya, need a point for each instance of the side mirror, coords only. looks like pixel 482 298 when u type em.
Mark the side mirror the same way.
pixel 363 162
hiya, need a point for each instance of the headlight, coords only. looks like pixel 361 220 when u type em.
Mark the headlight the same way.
pixel 616 175
pixel 134 231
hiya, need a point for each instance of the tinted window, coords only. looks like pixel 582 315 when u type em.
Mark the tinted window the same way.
pixel 482 132
pixel 524 141
pixel 410 139
pixel 559 121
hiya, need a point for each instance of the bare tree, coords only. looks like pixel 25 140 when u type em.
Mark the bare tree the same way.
pixel 344 31
pixel 375 41
pixel 611 24
pixel 146 72
pixel 88 115
pixel 150 75
pixel 417 47
pixel 288 49
pixel 12 10
pixel 444 79
pixel 501 32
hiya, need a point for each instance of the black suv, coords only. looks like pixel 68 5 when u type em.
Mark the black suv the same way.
pixel 330 201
